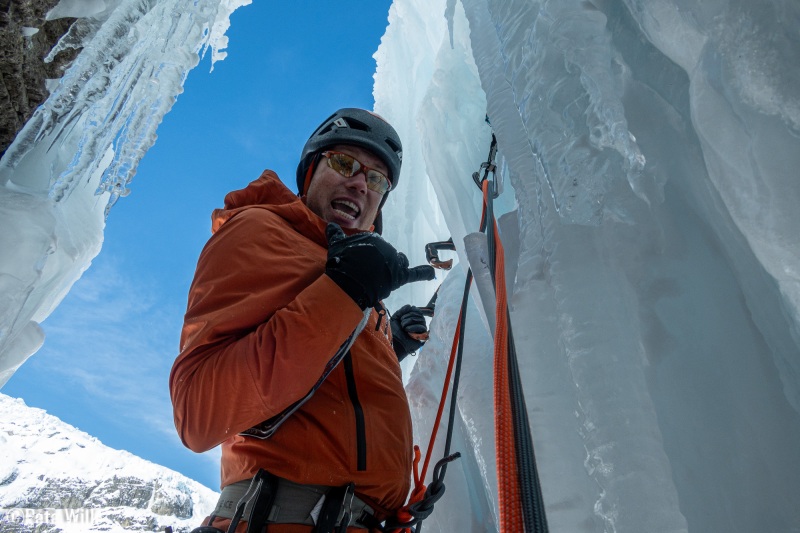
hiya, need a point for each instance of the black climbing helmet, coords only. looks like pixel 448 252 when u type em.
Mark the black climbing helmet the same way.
pixel 357 127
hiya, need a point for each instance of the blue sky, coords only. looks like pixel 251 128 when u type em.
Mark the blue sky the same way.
pixel 110 344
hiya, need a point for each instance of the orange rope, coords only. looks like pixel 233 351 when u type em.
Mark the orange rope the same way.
pixel 419 486
pixel 510 500
pixel 445 387
pixel 508 484
pixel 416 494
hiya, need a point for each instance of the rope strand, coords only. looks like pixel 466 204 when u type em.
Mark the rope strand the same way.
pixel 520 499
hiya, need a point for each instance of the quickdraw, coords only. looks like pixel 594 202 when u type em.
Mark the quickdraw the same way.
pixel 487 167
pixel 432 253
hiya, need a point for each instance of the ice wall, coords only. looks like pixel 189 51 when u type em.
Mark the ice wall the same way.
pixel 76 155
pixel 649 150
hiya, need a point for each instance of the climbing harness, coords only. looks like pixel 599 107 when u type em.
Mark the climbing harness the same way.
pixel 256 502
pixel 268 499
pixel 519 490
pixel 261 496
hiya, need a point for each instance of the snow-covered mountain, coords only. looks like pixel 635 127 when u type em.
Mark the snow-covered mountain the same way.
pixel 54 477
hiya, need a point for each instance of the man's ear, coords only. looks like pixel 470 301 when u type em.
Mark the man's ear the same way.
pixel 377 225
pixel 309 174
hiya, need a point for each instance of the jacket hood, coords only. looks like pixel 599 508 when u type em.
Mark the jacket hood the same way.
pixel 270 193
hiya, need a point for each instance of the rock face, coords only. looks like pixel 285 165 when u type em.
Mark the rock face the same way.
pixel 25 40
pixel 55 478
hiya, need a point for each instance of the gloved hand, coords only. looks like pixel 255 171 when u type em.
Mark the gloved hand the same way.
pixel 367 267
pixel 409 330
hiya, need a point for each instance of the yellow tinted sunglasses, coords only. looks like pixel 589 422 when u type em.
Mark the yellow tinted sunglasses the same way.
pixel 348 166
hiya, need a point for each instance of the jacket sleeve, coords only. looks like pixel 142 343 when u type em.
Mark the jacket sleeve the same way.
pixel 262 321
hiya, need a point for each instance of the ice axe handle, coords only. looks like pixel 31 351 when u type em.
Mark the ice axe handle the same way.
pixel 419 336
pixel 427 311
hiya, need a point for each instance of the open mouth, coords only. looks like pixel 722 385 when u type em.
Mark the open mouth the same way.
pixel 346 209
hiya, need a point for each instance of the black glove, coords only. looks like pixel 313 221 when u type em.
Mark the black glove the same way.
pixel 406 321
pixel 367 267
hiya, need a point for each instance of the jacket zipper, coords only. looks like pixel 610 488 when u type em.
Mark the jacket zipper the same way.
pixel 361 435
pixel 381 313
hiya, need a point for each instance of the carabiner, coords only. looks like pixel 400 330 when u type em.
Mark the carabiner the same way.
pixel 432 253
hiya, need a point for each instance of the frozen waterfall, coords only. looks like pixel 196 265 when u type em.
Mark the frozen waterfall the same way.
pixel 649 151
pixel 76 155
pixel 648 159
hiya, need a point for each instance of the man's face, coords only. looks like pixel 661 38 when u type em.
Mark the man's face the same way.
pixel 345 201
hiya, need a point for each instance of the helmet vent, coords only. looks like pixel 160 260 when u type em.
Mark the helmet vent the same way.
pixel 356 125
pixel 395 148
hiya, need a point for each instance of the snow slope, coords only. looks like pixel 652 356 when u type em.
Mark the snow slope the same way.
pixel 56 476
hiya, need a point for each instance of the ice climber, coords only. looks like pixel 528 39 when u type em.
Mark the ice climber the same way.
pixel 283 285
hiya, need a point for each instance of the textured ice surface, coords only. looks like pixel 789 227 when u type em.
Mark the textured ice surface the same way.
pixel 649 150
pixel 74 158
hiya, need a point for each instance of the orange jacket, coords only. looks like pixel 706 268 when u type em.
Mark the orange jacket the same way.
pixel 262 321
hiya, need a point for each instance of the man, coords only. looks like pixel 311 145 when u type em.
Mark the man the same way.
pixel 287 358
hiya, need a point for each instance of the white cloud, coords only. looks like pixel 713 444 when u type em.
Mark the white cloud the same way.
pixel 114 340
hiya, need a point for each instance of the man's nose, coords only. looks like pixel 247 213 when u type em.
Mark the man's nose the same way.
pixel 358 181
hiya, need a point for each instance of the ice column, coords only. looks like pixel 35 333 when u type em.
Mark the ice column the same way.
pixel 76 155
pixel 649 152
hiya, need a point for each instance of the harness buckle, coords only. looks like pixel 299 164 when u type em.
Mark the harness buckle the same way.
pixel 336 510
pixel 347 507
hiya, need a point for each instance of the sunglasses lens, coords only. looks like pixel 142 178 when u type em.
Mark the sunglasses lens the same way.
pixel 343 164
pixel 349 166
pixel 378 182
